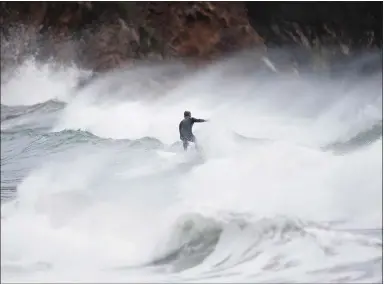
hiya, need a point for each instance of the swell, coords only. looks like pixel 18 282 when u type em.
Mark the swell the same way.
pixel 362 139
pixel 35 146
pixel 9 112
pixel 195 238
pixel 54 140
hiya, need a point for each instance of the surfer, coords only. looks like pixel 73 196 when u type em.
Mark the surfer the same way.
pixel 185 129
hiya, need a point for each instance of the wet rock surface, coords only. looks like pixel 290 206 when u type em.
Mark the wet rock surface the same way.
pixel 105 35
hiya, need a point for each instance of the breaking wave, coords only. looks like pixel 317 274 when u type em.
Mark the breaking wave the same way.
pixel 286 187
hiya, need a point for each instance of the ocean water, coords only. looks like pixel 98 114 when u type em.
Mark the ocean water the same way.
pixel 286 185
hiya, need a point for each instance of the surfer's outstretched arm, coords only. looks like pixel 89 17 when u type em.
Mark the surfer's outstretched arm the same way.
pixel 198 120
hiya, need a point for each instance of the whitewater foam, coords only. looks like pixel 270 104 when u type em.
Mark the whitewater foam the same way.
pixel 108 194
pixel 33 82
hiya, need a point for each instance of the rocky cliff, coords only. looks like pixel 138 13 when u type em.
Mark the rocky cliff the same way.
pixel 105 35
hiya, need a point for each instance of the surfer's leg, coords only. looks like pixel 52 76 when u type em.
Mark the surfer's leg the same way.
pixel 193 139
pixel 185 145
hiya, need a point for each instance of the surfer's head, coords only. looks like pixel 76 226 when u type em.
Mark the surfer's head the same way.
pixel 187 113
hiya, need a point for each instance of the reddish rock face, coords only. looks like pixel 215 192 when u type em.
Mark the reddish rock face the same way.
pixel 103 36
pixel 206 29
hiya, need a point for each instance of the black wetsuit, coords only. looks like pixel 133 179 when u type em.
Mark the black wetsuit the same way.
pixel 185 129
